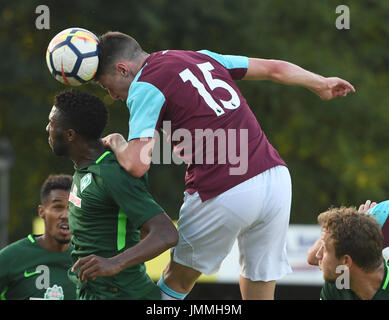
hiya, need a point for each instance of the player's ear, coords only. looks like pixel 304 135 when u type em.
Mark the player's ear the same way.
pixel 347 261
pixel 41 211
pixel 122 68
pixel 70 135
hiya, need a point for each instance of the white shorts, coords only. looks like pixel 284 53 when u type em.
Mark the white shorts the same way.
pixel 256 212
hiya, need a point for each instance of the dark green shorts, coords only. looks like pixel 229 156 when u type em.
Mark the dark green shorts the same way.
pixel 87 293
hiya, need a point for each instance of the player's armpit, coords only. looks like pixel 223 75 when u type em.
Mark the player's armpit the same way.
pixel 262 69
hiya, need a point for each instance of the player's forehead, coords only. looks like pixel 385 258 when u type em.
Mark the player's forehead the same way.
pixel 54 113
pixel 56 196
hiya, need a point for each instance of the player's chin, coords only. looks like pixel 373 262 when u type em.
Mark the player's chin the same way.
pixel 63 238
pixel 329 278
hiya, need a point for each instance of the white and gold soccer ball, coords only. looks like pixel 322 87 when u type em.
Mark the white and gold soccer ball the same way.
pixel 72 56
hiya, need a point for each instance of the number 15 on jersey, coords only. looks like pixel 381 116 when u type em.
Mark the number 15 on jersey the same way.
pixel 212 83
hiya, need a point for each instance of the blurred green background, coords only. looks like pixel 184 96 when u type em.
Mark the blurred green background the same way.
pixel 337 151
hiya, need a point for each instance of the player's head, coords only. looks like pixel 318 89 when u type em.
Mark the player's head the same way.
pixel 75 115
pixel 54 207
pixel 119 59
pixel 349 239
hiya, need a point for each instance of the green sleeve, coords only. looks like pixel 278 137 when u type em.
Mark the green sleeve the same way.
pixel 133 197
pixel 4 261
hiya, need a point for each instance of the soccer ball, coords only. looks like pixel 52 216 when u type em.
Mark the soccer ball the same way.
pixel 72 56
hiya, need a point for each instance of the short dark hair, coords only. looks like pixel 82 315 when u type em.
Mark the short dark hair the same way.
pixel 114 45
pixel 84 113
pixel 356 234
pixel 55 182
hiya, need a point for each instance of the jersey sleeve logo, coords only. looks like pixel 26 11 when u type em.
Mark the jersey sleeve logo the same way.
pixel 73 198
pixel 85 181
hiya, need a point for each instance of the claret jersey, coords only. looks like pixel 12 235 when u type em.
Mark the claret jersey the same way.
pixel 193 96
pixel 29 272
pixel 107 207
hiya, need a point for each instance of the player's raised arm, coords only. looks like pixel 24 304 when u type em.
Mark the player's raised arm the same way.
pixel 290 74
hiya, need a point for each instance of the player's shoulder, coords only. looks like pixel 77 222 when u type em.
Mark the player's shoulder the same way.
pixel 169 57
pixel 162 67
pixel 18 246
pixel 110 171
pixel 106 164
pixel 162 64
pixel 228 61
pixel 161 70
pixel 330 291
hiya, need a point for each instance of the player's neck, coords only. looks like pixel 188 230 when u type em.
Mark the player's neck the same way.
pixel 366 284
pixel 48 243
pixel 141 62
pixel 144 56
pixel 87 153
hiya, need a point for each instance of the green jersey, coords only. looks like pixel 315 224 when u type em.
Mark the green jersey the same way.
pixel 331 292
pixel 27 271
pixel 107 207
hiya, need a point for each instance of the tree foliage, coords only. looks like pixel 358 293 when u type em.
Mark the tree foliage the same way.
pixel 336 150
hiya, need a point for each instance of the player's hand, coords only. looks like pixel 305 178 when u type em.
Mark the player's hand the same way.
pixel 115 142
pixel 334 87
pixel 366 206
pixel 94 266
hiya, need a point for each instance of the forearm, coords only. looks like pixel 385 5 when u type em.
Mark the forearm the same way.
pixel 150 247
pixel 283 72
pixel 290 74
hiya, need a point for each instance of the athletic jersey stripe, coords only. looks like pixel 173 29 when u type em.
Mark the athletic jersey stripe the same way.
pixel 2 295
pixel 122 224
pixel 31 238
pixel 103 156
pixel 387 277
